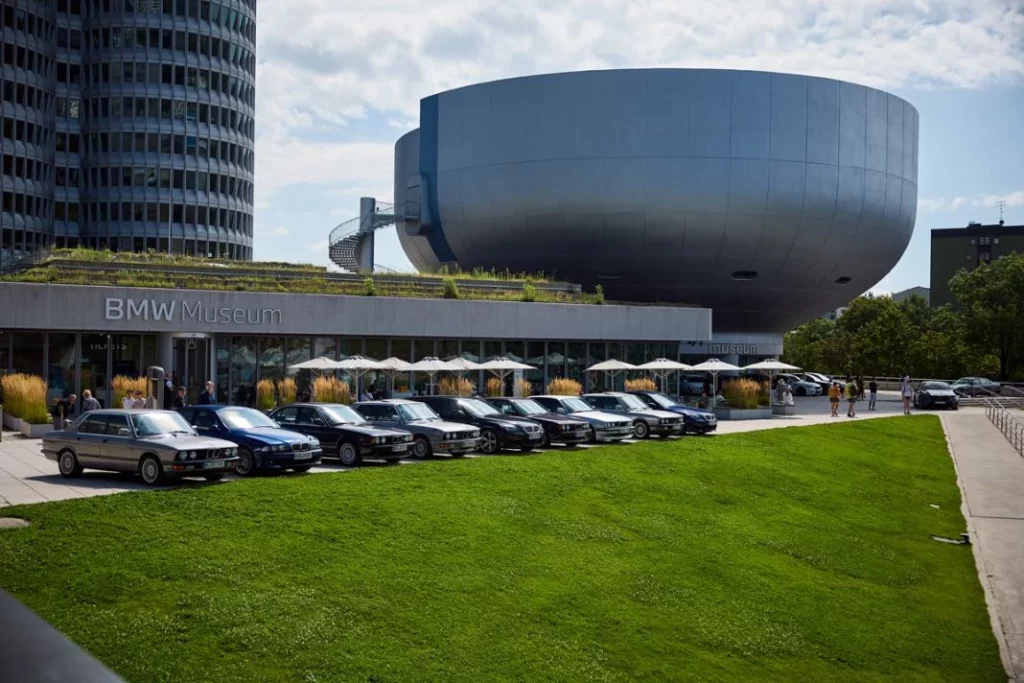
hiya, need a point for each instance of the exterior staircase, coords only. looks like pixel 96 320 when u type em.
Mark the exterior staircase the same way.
pixel 350 245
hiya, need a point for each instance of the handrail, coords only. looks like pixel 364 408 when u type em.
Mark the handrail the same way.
pixel 1006 423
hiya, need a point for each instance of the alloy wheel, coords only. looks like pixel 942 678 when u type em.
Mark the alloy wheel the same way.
pixel 244 465
pixel 347 454
pixel 488 442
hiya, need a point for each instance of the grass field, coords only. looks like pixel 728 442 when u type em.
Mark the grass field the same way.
pixel 795 554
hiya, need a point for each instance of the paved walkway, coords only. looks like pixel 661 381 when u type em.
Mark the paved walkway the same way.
pixel 991 475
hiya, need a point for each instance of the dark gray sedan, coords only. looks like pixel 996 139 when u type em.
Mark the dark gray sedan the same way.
pixel 155 443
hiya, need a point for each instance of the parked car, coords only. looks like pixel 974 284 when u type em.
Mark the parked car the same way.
pixel 155 443
pixel 497 430
pixel 430 434
pixel 692 385
pixel 262 443
pixel 344 433
pixel 695 421
pixel 557 428
pixel 800 386
pixel 823 381
pixel 976 386
pixel 935 394
pixel 603 426
pixel 646 420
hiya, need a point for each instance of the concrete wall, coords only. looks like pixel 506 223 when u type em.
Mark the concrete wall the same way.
pixel 134 309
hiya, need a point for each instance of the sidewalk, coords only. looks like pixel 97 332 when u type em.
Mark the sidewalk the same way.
pixel 991 475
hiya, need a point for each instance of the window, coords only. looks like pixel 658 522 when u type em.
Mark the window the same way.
pixel 93 425
pixel 984 241
pixel 287 415
pixel 117 425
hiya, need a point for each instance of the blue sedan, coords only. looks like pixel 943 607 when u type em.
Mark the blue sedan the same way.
pixel 262 443
pixel 694 421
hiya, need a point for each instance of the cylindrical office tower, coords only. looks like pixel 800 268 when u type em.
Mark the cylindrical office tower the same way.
pixel 166 116
pixel 27 138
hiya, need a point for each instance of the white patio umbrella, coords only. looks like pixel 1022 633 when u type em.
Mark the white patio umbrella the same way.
pixel 392 366
pixel 318 363
pixel 357 366
pixel 611 367
pixel 772 366
pixel 460 365
pixel 503 367
pixel 662 367
pixel 431 366
pixel 715 366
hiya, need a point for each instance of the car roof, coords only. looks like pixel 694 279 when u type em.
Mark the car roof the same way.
pixel 122 411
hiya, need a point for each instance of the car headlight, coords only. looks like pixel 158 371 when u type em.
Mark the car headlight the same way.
pixel 448 436
pixel 191 455
pixel 408 438
pixel 182 455
pixel 314 442
pixel 515 429
pixel 265 449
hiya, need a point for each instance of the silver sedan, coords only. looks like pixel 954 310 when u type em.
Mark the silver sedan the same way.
pixel 155 443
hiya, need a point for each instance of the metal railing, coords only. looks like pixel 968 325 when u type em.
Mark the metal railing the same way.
pixel 1006 423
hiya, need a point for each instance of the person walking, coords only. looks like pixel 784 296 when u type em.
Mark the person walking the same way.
pixel 851 399
pixel 873 394
pixel 907 393
pixel 833 398
pixel 62 412
pixel 208 397
pixel 89 403
pixel 180 401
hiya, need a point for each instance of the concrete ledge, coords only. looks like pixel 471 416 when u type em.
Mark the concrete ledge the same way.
pixel 30 431
pixel 783 410
pixel 762 413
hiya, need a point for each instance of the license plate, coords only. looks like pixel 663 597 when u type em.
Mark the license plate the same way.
pixel 400 449
pixel 303 456
pixel 469 443
pixel 213 464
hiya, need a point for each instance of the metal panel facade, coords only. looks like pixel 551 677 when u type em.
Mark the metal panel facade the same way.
pixel 668 184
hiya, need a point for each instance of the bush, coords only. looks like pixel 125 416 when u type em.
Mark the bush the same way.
pixel 123 386
pixel 449 289
pixel 369 287
pixel 745 394
pixel 287 390
pixel 560 386
pixel 529 292
pixel 523 387
pixel 25 398
pixel 331 390
pixel 495 387
pixel 599 294
pixel 642 384
pixel 455 386
pixel 265 394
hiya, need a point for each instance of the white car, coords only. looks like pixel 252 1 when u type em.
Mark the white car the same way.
pixel 801 387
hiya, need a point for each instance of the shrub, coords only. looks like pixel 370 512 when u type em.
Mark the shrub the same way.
pixel 369 287
pixel 265 394
pixel 599 294
pixel 449 289
pixel 495 387
pixel 331 390
pixel 560 386
pixel 523 387
pixel 287 390
pixel 745 394
pixel 123 385
pixel 529 293
pixel 455 386
pixel 25 398
pixel 642 384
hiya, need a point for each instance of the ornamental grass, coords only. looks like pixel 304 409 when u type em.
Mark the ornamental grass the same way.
pixel 561 386
pixel 523 387
pixel 455 386
pixel 265 394
pixel 642 384
pixel 25 398
pixel 287 390
pixel 495 387
pixel 745 394
pixel 331 390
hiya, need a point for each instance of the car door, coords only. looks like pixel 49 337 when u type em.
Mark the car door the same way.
pixel 116 446
pixel 90 436
pixel 204 422
pixel 288 417
pixel 313 423
pixel 387 416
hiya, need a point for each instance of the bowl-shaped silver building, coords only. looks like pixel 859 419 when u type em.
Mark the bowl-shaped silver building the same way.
pixel 769 198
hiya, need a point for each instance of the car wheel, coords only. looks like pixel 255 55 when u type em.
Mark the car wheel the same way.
pixel 593 435
pixel 641 429
pixel 349 454
pixel 67 462
pixel 489 442
pixel 545 441
pixel 301 470
pixel 151 470
pixel 213 477
pixel 421 447
pixel 246 464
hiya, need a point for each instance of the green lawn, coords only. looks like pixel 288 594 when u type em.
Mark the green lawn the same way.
pixel 797 554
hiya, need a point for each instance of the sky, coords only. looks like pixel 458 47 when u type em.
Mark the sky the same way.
pixel 338 81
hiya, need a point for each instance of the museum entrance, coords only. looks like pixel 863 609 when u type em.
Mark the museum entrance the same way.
pixel 191 366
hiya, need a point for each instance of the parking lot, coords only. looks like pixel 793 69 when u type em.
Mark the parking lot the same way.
pixel 27 477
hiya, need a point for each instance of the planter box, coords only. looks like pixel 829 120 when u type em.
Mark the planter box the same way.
pixel 743 414
pixel 783 410
pixel 35 431
pixel 12 423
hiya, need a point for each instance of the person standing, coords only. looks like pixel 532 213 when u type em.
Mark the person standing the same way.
pixel 208 398
pixel 168 393
pixel 180 401
pixel 907 393
pixel 139 402
pixel 62 412
pixel 128 402
pixel 873 394
pixel 851 399
pixel 89 403
pixel 833 398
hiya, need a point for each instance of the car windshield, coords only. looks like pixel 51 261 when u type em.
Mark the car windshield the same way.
pixel 479 408
pixel 342 415
pixel 575 405
pixel 935 386
pixel 153 424
pixel 245 418
pixel 416 411
pixel 530 407
pixel 633 403
pixel 662 400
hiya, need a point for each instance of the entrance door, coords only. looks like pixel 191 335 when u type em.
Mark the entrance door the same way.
pixel 191 366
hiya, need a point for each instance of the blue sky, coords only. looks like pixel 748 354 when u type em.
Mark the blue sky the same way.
pixel 338 81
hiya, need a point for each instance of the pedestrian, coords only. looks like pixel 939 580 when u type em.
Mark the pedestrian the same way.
pixel 128 402
pixel 168 392
pixel 907 393
pixel 860 388
pixel 180 401
pixel 139 402
pixel 367 394
pixel 873 394
pixel 833 398
pixel 62 412
pixel 851 399
pixel 89 403
pixel 208 398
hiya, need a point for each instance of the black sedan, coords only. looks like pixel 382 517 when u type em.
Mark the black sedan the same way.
pixel 497 430
pixel 344 433
pixel 935 395
pixel 557 428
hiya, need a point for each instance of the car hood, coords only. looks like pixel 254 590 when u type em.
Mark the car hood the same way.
pixel 370 430
pixel 656 412
pixel 182 442
pixel 443 426
pixel 556 418
pixel 507 421
pixel 598 416
pixel 270 436
pixel 690 412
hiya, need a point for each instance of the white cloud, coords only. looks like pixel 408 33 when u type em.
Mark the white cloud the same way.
pixel 1011 199
pixel 319 247
pixel 989 200
pixel 280 232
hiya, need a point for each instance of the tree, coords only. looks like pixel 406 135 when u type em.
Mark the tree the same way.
pixel 991 301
